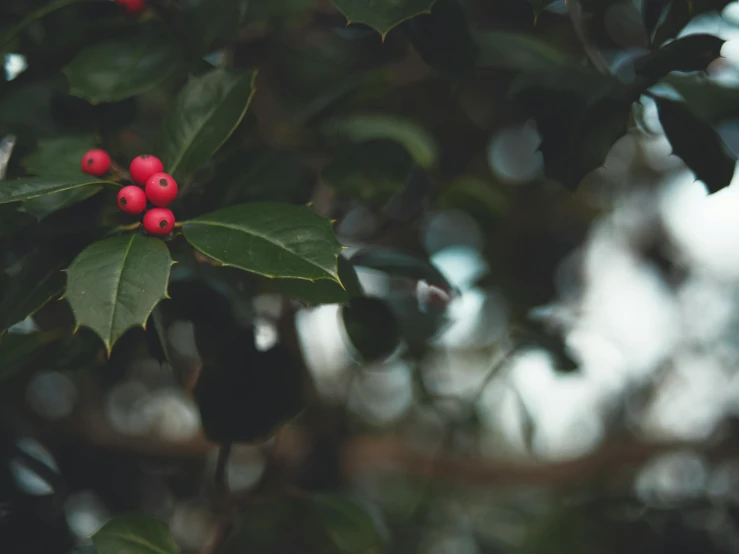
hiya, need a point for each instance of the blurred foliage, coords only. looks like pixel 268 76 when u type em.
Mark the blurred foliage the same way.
pixel 321 147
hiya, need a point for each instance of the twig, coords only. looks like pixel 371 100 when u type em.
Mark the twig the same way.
pixel 575 10
pixel 220 478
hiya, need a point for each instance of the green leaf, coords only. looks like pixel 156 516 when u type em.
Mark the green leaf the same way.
pixel 707 99
pixel 259 174
pixel 270 239
pixel 399 263
pixel 370 172
pixel 40 280
pixel 382 15
pixel 114 284
pixel 340 525
pixel 26 188
pixel 18 350
pixel 516 51
pixel 653 12
pixel 122 68
pixel 314 293
pixel 679 13
pixel 43 206
pixel 202 117
pixel 329 523
pixel 212 22
pixel 416 140
pixel 697 144
pixel 8 36
pixel 371 328
pixel 443 39
pixel 579 114
pixel 134 534
pixel 58 155
pixel 12 220
pixel 690 53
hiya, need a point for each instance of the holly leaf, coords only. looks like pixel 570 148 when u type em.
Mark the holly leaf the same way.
pixel 370 171
pixel 690 53
pixel 134 534
pixel 679 13
pixel 40 280
pixel 653 12
pixel 270 239
pixel 371 328
pixel 360 128
pixel 122 68
pixel 697 144
pixel 12 220
pixel 338 524
pixel 49 7
pixel 443 39
pixel 58 155
pixel 26 188
pixel 18 350
pixel 202 117
pixel 579 114
pixel 382 15
pixel 114 284
pixel 514 51
pixel 401 264
pixel 314 293
pixel 707 99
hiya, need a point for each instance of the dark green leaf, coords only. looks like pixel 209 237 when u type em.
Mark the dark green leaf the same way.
pixel 7 36
pixel 516 51
pixel 213 21
pixel 364 128
pixel 696 143
pixel 707 99
pixel 402 264
pixel 43 206
pixel 443 39
pixel 690 53
pixel 343 526
pixel 40 280
pixel 653 12
pixel 382 15
pixel 58 155
pixel 134 534
pixel 324 291
pixel 369 171
pixel 539 6
pixel 12 220
pixel 270 239
pixel 243 393
pixel 202 117
pixel 329 523
pixel 260 175
pixel 679 13
pixel 114 284
pixel 371 328
pixel 18 350
pixel 121 68
pixel 33 187
pixel 579 114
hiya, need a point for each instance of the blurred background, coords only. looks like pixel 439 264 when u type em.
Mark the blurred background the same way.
pixel 536 370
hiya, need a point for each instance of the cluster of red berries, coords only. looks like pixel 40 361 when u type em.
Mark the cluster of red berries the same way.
pixel 160 189
pixel 134 7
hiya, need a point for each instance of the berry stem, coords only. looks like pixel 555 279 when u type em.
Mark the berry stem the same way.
pixel 118 172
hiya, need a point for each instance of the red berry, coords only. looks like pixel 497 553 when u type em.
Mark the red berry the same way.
pixel 134 7
pixel 143 167
pixel 95 162
pixel 132 200
pixel 161 189
pixel 158 221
